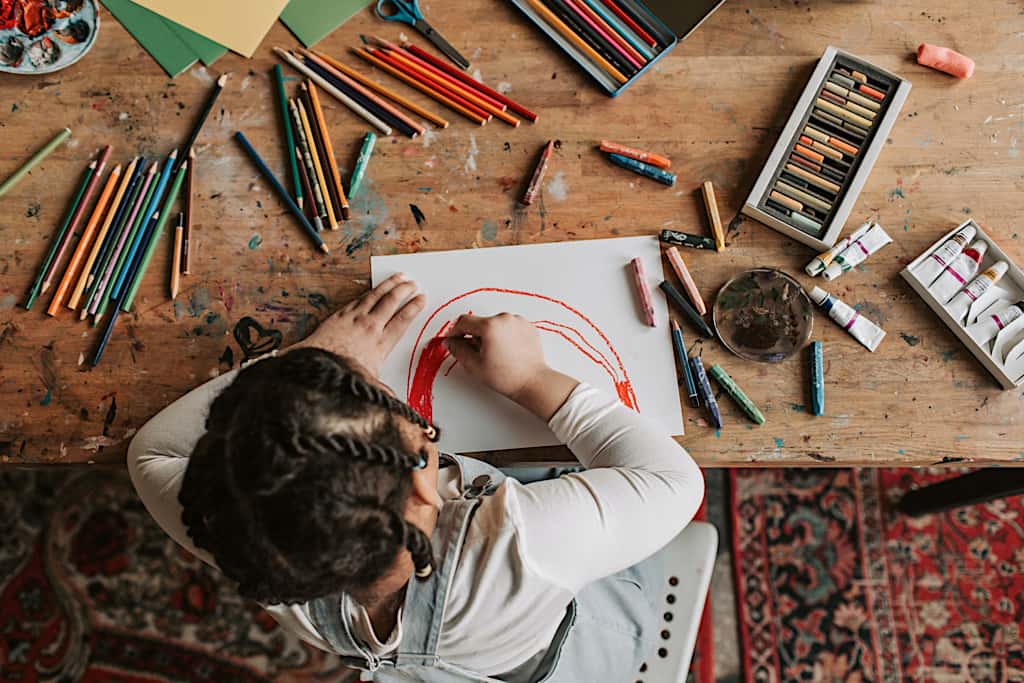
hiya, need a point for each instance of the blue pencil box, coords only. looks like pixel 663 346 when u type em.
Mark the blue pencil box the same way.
pixel 673 20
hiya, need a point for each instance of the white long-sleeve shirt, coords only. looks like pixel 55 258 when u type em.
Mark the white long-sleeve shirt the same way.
pixel 529 547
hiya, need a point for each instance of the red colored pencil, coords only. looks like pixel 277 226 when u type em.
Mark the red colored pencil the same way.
pixel 470 81
pixel 618 11
pixel 390 59
pixel 310 208
pixel 619 52
pixel 638 59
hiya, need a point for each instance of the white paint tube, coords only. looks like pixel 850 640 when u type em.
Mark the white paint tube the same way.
pixel 931 268
pixel 961 303
pixel 956 275
pixel 989 324
pixel 863 330
pixel 868 243
pixel 822 261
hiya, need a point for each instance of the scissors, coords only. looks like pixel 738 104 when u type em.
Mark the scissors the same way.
pixel 408 12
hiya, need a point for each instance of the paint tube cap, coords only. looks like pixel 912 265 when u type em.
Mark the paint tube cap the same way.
pixel 998 270
pixel 967 233
pixel 818 295
pixel 978 247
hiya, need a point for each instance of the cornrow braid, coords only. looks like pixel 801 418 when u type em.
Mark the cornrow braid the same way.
pixel 293 506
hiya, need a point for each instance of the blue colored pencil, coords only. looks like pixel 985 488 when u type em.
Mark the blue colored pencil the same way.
pixel 620 26
pixel 684 362
pixel 705 389
pixel 817 380
pixel 115 226
pixel 147 215
pixel 282 193
pixel 646 170
pixel 105 339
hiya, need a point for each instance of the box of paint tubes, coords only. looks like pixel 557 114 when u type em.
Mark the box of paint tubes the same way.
pixel 827 148
pixel 979 293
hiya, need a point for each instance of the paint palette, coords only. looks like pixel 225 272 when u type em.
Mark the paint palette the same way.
pixel 763 315
pixel 43 36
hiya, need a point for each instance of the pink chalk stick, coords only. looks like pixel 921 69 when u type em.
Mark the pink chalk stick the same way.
pixel 646 302
pixel 945 60
pixel 679 266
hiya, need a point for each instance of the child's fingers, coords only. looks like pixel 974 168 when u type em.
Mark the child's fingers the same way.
pixel 390 303
pixel 466 351
pixel 371 298
pixel 470 324
pixel 403 317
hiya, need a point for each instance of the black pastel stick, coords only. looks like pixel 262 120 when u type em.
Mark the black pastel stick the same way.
pixel 680 302
pixel 685 239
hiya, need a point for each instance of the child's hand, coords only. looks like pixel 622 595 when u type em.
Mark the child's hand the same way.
pixel 504 353
pixel 367 329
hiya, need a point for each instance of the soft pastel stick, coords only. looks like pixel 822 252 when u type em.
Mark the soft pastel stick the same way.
pixel 646 170
pixel 685 239
pixel 643 290
pixel 945 60
pixel 734 391
pixel 633 153
pixel 817 380
pixel 679 302
pixel 707 395
pixel 683 273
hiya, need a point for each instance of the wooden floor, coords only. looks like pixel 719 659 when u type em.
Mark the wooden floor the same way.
pixel 715 105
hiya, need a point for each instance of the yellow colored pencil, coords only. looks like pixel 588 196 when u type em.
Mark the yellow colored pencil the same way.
pixel 179 238
pixel 320 177
pixel 332 164
pixel 571 36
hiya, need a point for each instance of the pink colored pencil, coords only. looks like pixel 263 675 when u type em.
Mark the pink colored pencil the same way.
pixel 646 301
pixel 684 276
pixel 612 33
pixel 604 34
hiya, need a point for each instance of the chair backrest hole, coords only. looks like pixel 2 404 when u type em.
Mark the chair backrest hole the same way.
pixel 662 652
pixel 670 599
pixel 665 635
pixel 667 616
pixel 673 581
pixel 643 667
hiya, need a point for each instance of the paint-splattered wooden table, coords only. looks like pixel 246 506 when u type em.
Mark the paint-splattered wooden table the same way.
pixel 715 105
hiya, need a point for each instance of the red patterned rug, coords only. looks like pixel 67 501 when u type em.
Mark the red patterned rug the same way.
pixel 833 584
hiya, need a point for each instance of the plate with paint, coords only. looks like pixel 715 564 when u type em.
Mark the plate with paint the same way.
pixel 43 36
pixel 763 315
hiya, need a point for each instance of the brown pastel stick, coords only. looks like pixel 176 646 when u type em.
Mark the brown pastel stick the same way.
pixel 538 174
pixel 786 201
pixel 813 179
pixel 800 195
pixel 712 208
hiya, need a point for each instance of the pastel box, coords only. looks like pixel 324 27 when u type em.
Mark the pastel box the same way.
pixel 674 18
pixel 758 206
pixel 1004 355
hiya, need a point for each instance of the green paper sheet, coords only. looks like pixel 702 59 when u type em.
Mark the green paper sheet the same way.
pixel 204 48
pixel 155 36
pixel 312 20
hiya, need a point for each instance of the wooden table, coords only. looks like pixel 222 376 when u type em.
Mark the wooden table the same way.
pixel 715 105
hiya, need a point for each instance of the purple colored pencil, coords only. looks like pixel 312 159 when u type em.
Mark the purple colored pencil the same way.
pixel 111 265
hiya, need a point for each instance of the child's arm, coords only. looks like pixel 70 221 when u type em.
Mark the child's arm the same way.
pixel 641 488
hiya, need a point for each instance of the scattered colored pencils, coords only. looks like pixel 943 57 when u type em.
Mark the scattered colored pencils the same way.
pixel 203 115
pixel 34 160
pixel 538 174
pixel 684 363
pixel 328 150
pixel 289 133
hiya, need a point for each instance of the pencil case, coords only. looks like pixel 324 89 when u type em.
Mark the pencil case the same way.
pixel 823 157
pixel 669 22
pixel 1003 356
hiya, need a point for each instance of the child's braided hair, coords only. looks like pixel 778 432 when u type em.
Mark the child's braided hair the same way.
pixel 299 484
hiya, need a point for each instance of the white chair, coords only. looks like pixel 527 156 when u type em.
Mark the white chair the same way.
pixel 689 561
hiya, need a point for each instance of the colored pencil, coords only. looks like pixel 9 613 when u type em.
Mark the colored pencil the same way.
pixel 78 256
pixel 578 25
pixel 734 391
pixel 684 363
pixel 59 237
pixel 190 189
pixel 538 174
pixel 685 239
pixel 620 27
pixel 105 339
pixel 317 198
pixel 618 48
pixel 152 239
pixel 79 214
pixel 378 88
pixel 389 59
pixel 34 160
pixel 283 193
pixel 629 21
pixel 117 260
pixel 332 163
pixel 361 163
pixel 101 236
pixel 144 220
pixel 636 58
pixel 512 105
pixel 310 208
pixel 381 102
pixel 179 238
pixel 289 134
pixel 370 104
pixel 319 177
pixel 577 41
pixel 675 259
pixel 643 16
pixel 643 291
pixel 366 55
pixel 711 204
pixel 679 302
pixel 637 154
pixel 203 115
pixel 316 139
pixel 646 170
pixel 817 380
pixel 134 183
pixel 700 377
pixel 356 108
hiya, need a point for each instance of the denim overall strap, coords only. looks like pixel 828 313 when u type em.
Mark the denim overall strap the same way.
pixel 476 477
pixel 330 618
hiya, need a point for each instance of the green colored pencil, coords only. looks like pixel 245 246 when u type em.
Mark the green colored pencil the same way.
pixel 364 159
pixel 733 389
pixel 58 238
pixel 166 212
pixel 32 162
pixel 289 134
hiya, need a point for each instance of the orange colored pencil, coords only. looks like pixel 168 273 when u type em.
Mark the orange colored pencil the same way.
pixel 450 84
pixel 386 92
pixel 619 41
pixel 425 89
pixel 332 164
pixel 71 272
pixel 580 44
pixel 454 97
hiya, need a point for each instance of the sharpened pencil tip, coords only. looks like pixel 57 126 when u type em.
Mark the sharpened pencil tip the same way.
pixel 191 153
pixel 222 80
pixel 323 248
pixel 174 155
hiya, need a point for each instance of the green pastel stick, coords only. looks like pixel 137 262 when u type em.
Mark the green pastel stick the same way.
pixel 154 238
pixel 360 170
pixel 34 160
pixel 289 134
pixel 58 238
pixel 733 389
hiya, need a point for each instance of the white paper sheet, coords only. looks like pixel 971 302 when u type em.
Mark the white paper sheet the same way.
pixel 582 297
